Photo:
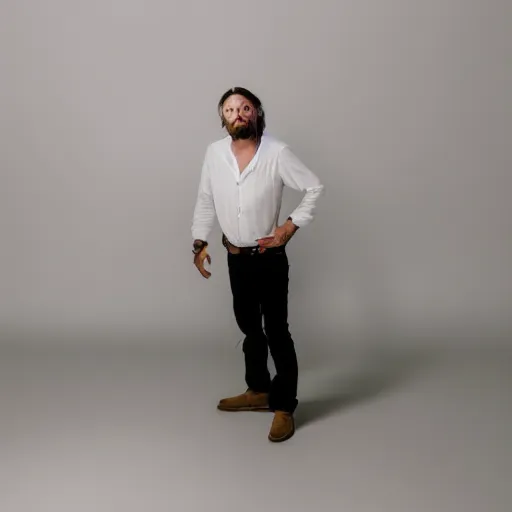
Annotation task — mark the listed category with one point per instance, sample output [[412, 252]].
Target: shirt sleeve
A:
[[299, 177], [204, 211]]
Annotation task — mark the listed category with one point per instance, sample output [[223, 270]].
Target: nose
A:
[[235, 114]]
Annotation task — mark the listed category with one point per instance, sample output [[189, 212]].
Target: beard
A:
[[243, 131]]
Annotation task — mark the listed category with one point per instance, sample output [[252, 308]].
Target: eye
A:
[[247, 108]]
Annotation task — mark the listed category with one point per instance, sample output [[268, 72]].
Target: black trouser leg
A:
[[274, 280], [246, 305], [260, 290]]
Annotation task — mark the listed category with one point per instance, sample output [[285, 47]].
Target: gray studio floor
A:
[[123, 431]]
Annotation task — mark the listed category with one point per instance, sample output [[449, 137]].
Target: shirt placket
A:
[[240, 179], [239, 205]]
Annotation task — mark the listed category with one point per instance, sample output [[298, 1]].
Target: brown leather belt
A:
[[233, 249]]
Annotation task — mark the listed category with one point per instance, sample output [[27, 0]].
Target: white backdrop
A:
[[402, 108]]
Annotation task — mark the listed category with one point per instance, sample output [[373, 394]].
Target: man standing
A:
[[241, 184]]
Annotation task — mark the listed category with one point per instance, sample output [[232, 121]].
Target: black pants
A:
[[259, 283]]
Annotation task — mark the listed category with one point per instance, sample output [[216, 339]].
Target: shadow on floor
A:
[[378, 373]]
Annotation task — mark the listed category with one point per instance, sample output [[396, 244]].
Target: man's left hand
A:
[[281, 236]]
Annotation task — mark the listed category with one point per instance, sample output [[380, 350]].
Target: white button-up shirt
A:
[[247, 204]]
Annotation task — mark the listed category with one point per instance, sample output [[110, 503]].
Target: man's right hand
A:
[[199, 262]]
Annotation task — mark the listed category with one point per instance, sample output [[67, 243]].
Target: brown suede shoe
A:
[[283, 427], [248, 401]]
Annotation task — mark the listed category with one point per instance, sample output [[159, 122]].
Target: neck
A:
[[241, 144]]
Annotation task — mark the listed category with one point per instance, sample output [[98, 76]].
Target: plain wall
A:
[[402, 108]]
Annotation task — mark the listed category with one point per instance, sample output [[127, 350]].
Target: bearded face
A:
[[240, 117]]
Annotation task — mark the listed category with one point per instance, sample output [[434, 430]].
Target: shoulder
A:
[[273, 142], [218, 146], [281, 151], [273, 145]]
